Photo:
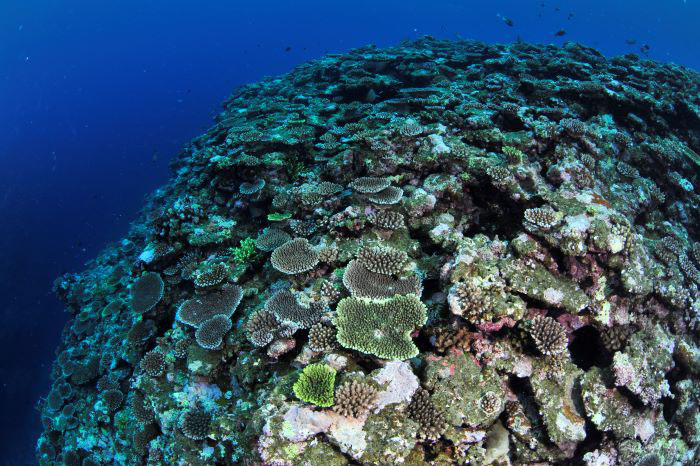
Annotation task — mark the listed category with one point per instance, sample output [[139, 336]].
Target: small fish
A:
[[571, 15], [560, 32], [508, 21], [645, 49], [288, 49], [630, 41]]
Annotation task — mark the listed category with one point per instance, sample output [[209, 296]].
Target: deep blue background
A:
[[95, 97]]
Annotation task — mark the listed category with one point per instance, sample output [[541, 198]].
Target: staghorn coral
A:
[[146, 292], [549, 336], [384, 260], [354, 398], [381, 328], [295, 256], [316, 384]]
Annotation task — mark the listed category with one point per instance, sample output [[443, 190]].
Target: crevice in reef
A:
[[587, 349]]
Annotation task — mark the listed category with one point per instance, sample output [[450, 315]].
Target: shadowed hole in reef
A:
[[497, 213], [587, 349], [670, 405]]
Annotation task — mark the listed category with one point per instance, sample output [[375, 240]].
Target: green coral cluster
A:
[[316, 385], [245, 252]]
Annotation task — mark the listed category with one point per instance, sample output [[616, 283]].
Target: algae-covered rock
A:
[[557, 397], [642, 367], [609, 409], [465, 392]]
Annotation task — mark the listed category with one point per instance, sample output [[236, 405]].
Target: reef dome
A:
[[430, 254]]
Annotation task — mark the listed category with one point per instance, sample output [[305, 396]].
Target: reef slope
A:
[[436, 253]]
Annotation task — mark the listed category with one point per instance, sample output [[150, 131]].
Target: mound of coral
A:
[[437, 253]]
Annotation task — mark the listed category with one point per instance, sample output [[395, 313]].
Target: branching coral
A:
[[381, 328], [112, 399], [544, 218], [354, 398], [549, 336], [322, 338], [387, 220], [421, 409], [262, 327], [316, 384], [245, 252]]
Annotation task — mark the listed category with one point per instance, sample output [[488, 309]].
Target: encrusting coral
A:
[[494, 249]]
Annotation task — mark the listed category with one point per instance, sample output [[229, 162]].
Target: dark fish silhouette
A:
[[560, 32], [571, 15], [288, 49], [508, 21], [630, 41], [645, 49]]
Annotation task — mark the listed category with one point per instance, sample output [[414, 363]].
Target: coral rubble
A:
[[436, 253]]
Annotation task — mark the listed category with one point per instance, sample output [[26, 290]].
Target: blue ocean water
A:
[[95, 97]]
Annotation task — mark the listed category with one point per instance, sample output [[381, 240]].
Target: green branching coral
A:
[[316, 385], [382, 328], [245, 252]]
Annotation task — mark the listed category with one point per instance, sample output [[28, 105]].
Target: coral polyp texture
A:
[[431, 254]]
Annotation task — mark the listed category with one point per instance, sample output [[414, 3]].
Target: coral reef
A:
[[431, 254]]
